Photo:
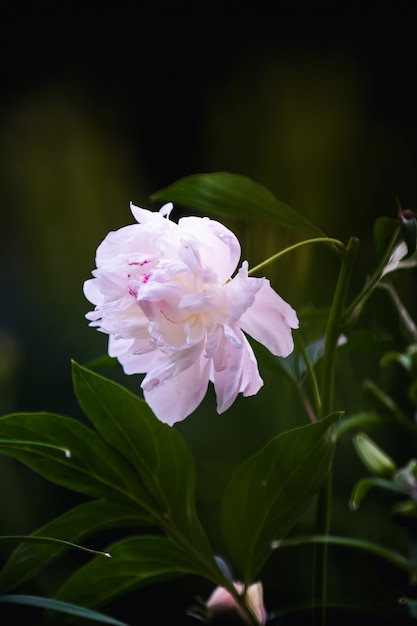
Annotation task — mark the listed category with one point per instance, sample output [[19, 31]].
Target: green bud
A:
[[373, 457]]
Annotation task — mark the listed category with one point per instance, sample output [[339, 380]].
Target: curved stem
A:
[[335, 242]]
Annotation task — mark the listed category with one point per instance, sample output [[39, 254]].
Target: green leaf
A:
[[103, 362], [395, 558], [384, 230], [74, 526], [233, 196], [61, 607], [412, 391], [382, 402], [156, 450], [25, 442], [43, 539], [269, 492], [358, 420], [92, 467], [135, 562], [362, 487]]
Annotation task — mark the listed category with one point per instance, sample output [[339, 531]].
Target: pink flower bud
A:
[[222, 602]]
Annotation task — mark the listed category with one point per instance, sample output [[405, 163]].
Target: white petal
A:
[[169, 366], [219, 248], [143, 215], [166, 209], [270, 320], [239, 375], [132, 363], [92, 291], [180, 396], [241, 292]]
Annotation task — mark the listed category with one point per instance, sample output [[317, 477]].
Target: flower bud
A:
[[221, 602], [375, 459]]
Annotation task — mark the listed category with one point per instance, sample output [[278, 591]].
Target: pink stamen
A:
[[140, 263]]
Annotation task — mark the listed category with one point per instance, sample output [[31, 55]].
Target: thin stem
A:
[[335, 242], [333, 328], [327, 389], [354, 309], [313, 377]]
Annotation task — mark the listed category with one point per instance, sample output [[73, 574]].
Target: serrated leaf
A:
[[92, 468], [268, 493], [135, 562], [156, 450], [233, 196], [61, 607], [75, 525]]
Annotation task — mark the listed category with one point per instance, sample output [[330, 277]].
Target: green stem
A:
[[335, 242], [333, 328], [327, 394], [314, 382], [353, 310]]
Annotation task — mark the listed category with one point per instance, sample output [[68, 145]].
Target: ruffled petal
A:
[[133, 363], [218, 247], [92, 291], [241, 292], [238, 375], [180, 396], [269, 320]]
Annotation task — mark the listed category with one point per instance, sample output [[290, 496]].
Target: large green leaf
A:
[[62, 607], [135, 562], [75, 525], [233, 196], [92, 467], [269, 492], [157, 451]]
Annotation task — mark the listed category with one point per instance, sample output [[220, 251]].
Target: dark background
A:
[[100, 106]]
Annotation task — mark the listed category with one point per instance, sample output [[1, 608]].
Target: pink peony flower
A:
[[163, 293], [222, 602]]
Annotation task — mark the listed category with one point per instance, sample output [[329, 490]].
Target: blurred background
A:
[[101, 107]]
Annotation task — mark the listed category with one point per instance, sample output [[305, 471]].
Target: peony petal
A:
[[92, 291], [218, 247], [241, 292], [132, 363], [251, 380], [180, 396], [144, 215], [270, 320], [240, 374]]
